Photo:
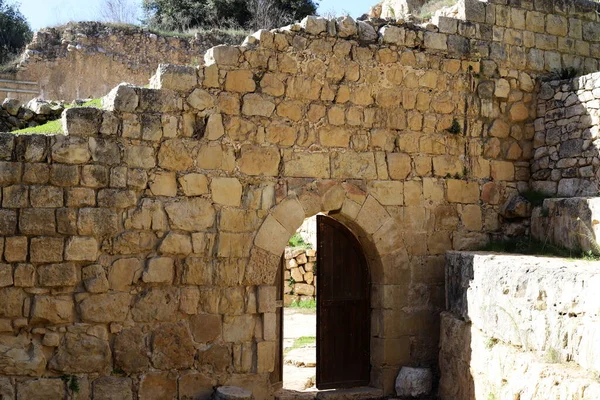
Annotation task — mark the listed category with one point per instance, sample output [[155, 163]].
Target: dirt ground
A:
[[299, 363]]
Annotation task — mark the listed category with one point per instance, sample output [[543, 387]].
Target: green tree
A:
[[180, 15], [14, 31]]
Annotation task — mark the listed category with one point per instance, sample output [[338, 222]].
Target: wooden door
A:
[[343, 308]]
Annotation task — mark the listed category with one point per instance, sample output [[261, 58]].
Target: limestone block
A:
[[226, 191], [131, 350], [259, 161], [8, 222], [351, 164], [122, 98], [43, 389], [176, 243], [175, 77], [52, 310], [81, 121], [97, 222], [158, 385], [81, 248], [314, 25], [163, 183], [205, 328], [159, 101], [414, 382], [123, 273], [139, 156], [193, 214], [107, 307], [399, 165], [112, 387], [290, 214], [94, 176], [175, 155], [387, 192], [372, 215], [194, 184], [196, 386], [197, 271], [53, 275], [460, 191], [366, 32], [241, 81], [24, 275], [94, 279], [156, 304], [518, 112], [346, 27], [502, 170], [238, 328], [64, 175], [222, 55], [133, 242], [435, 41], [272, 236], [392, 35], [256, 104], [46, 196], [16, 249], [303, 88], [16, 196], [6, 275], [167, 356], [159, 270], [46, 249]]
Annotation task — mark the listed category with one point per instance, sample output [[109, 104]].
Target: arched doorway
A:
[[343, 308]]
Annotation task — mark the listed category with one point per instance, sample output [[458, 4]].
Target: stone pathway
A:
[[298, 364]]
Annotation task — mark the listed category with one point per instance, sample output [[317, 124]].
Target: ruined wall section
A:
[[87, 59], [519, 327], [567, 140]]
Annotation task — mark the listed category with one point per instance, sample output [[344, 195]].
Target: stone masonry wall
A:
[[567, 140], [520, 327], [300, 275], [141, 248], [87, 59]]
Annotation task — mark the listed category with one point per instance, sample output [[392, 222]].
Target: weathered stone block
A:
[[81, 121], [131, 350], [112, 387], [167, 356], [154, 304], [94, 279], [16, 249], [42, 389], [193, 214], [238, 328], [205, 327], [105, 308], [460, 191], [158, 386], [54, 275], [159, 270], [80, 248], [226, 191], [52, 310], [46, 249]]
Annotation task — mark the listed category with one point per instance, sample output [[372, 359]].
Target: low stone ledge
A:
[[541, 304]]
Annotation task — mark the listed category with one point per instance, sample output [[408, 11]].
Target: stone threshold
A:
[[359, 393]]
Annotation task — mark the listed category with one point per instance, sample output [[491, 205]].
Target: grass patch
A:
[[427, 10], [302, 341], [51, 127], [298, 241], [530, 246], [310, 304], [55, 127]]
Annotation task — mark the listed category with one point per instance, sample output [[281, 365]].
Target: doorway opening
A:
[[325, 289]]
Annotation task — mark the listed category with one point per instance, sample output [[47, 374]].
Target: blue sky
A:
[[42, 13]]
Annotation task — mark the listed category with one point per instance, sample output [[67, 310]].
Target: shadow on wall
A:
[[456, 381], [567, 140]]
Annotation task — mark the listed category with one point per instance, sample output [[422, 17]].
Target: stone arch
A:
[[381, 238]]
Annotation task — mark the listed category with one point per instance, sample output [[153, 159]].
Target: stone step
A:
[[232, 393], [360, 393]]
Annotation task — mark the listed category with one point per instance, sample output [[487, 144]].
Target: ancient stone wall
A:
[[141, 248], [519, 327], [566, 161], [300, 275], [87, 59]]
